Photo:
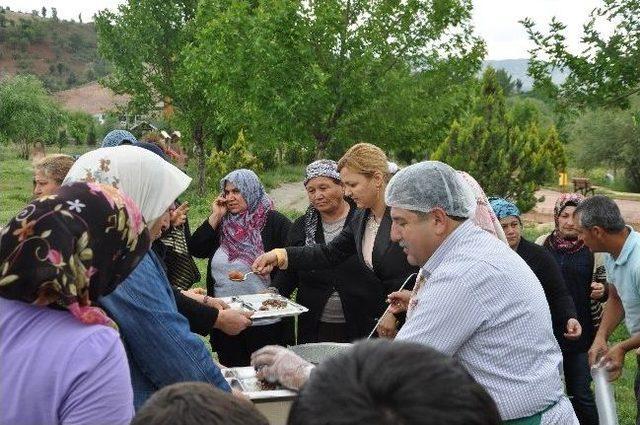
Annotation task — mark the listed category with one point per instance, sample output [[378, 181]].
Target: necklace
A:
[[372, 224]]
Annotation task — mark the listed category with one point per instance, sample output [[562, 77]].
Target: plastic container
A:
[[605, 401]]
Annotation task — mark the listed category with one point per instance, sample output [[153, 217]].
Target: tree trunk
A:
[[24, 151], [322, 142], [198, 139]]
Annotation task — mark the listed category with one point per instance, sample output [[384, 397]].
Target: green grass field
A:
[[15, 192]]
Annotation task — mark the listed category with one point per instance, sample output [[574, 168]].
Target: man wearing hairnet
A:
[[475, 299]]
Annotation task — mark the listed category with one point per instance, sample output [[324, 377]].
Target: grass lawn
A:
[[15, 192]]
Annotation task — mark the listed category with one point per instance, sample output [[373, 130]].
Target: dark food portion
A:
[[273, 304]]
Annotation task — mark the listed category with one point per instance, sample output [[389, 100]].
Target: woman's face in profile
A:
[[43, 185]]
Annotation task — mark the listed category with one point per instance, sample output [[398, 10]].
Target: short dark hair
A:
[[392, 383], [196, 403], [600, 211]]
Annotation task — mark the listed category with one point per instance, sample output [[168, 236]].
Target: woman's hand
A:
[[597, 290], [179, 215], [387, 327], [232, 322], [265, 263], [218, 210]]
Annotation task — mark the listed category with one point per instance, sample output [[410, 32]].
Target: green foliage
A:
[[78, 125], [326, 74], [27, 113], [609, 137], [62, 139], [605, 73], [508, 156], [237, 156]]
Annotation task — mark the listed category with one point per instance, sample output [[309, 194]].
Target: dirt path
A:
[[292, 196]]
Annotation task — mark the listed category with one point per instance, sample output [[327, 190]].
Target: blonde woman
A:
[[364, 171]]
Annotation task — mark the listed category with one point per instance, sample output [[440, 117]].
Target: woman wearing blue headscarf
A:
[[242, 225], [117, 138], [544, 266]]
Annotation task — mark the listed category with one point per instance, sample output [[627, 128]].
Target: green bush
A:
[[237, 156]]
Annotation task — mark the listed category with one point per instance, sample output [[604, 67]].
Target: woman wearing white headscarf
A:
[[160, 347]]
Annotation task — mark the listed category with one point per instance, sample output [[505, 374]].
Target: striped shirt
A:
[[483, 305]]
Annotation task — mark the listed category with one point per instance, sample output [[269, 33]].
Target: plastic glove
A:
[[277, 364]]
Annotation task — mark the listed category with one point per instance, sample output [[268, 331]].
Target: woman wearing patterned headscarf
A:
[[242, 225], [57, 257], [563, 311], [160, 346], [342, 301], [585, 277]]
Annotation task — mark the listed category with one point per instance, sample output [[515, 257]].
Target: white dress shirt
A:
[[482, 305]]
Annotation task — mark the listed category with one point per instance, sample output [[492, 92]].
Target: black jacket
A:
[[577, 270], [546, 269], [360, 291], [206, 240], [390, 266]]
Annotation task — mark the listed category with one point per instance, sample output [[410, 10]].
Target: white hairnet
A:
[[430, 184]]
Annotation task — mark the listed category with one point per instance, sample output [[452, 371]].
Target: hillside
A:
[[517, 68], [62, 53]]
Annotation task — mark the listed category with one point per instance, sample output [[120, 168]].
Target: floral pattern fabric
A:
[[72, 247], [241, 233]]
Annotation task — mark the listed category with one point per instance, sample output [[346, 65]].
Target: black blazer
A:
[[390, 266], [360, 291], [206, 240]]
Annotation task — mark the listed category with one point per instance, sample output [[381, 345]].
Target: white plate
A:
[[254, 302]]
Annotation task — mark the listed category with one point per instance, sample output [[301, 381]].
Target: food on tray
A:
[[266, 386], [273, 304], [236, 275]]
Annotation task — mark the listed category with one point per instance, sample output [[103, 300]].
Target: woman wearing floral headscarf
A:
[[57, 257], [585, 277], [242, 225], [342, 301], [160, 346]]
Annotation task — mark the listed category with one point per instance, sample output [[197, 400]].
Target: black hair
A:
[[392, 383], [197, 403], [600, 211]]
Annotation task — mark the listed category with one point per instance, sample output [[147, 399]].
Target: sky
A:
[[496, 21]]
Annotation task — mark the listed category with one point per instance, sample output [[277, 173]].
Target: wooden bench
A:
[[582, 185]]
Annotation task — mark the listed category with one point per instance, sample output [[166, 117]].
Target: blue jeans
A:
[[577, 377]]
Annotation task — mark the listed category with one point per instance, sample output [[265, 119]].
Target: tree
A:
[[54, 13], [78, 125], [603, 76], [506, 82], [325, 72], [509, 156], [80, 17], [143, 41], [27, 113], [91, 134], [62, 139], [44, 12], [605, 73]]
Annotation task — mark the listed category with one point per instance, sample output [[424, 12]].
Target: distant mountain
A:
[[63, 54], [517, 68]]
